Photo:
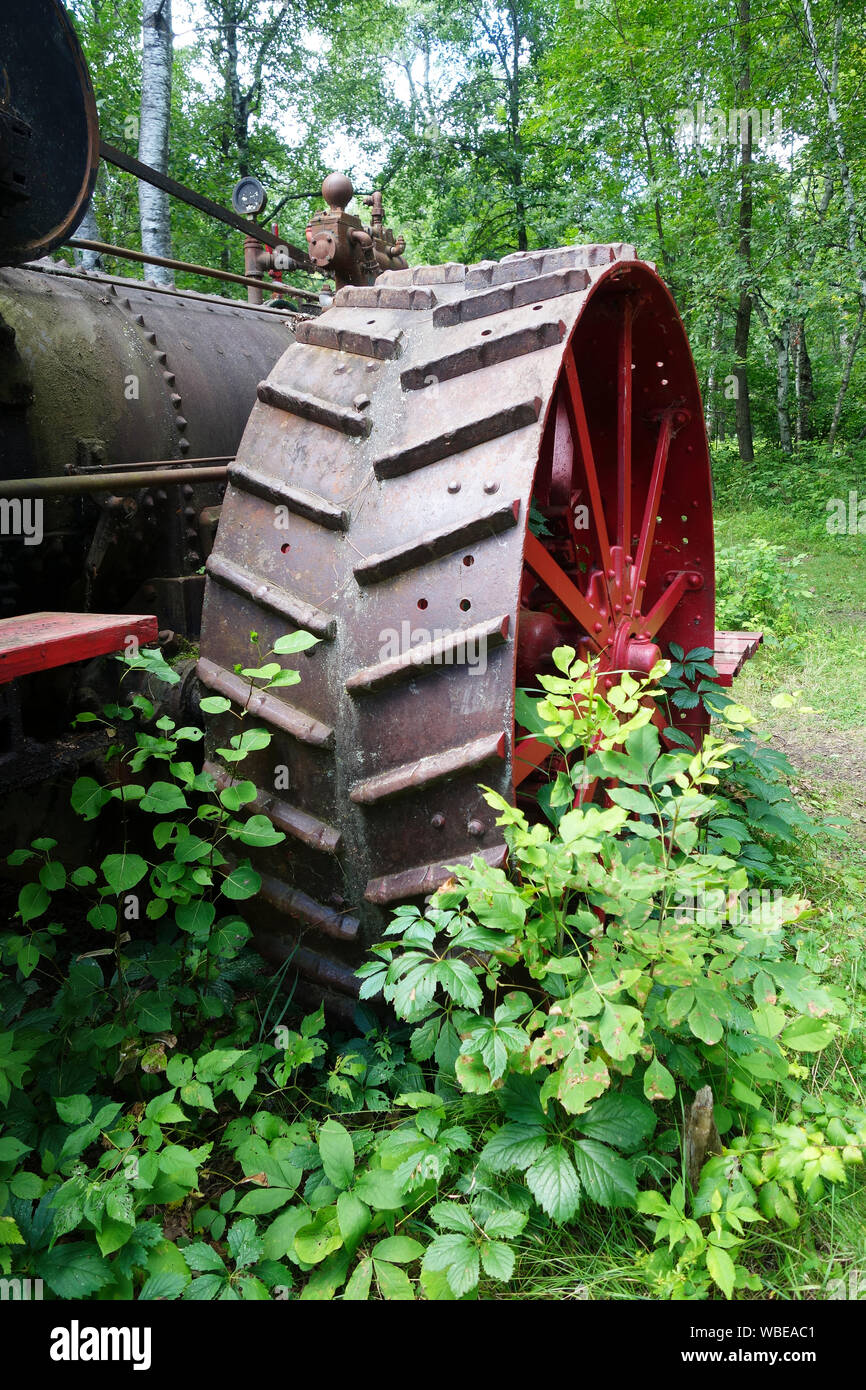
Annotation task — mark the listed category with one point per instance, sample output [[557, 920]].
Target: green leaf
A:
[[195, 917], [394, 1284], [279, 1238], [315, 1241], [554, 1184], [658, 1084], [358, 1288], [703, 1019], [622, 1121], [621, 1030], [721, 1269], [244, 1243], [162, 1286], [337, 1153], [808, 1034], [33, 899], [215, 704], [27, 1186], [163, 798], [497, 1260], [607, 1178], [9, 1232], [399, 1250], [353, 1218], [73, 1270], [52, 876], [513, 1146], [88, 797], [215, 1064], [380, 1190], [457, 1256], [238, 795], [294, 642], [103, 917], [633, 801], [73, 1110], [259, 832], [123, 871], [451, 1216], [242, 882]]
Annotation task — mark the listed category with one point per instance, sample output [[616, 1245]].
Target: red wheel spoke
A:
[[661, 611], [550, 573], [562, 468], [623, 470], [648, 528], [529, 754], [580, 431]]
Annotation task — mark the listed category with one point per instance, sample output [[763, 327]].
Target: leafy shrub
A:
[[165, 1134], [758, 589]]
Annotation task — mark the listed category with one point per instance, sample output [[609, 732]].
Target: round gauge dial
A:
[[248, 197]]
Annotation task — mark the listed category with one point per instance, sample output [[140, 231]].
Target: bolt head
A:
[[454, 486]]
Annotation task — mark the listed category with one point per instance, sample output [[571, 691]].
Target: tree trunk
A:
[[804, 388], [744, 247], [87, 230], [153, 204], [846, 378], [712, 413], [782, 346]]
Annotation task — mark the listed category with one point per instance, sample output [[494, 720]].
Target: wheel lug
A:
[[454, 486]]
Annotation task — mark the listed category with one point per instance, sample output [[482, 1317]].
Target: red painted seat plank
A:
[[732, 651], [39, 641]]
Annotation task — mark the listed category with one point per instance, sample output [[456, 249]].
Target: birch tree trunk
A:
[[154, 205], [781, 341], [744, 247], [87, 230]]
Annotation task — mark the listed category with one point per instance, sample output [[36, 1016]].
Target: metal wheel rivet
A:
[[596, 627], [183, 445], [437, 821], [454, 486], [491, 487], [361, 402], [475, 827]]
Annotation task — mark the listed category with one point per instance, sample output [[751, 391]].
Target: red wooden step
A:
[[732, 651], [38, 641]]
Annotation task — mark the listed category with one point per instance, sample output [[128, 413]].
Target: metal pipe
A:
[[125, 253], [120, 284], [111, 482], [196, 463]]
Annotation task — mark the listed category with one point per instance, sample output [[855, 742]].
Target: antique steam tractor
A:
[[478, 463]]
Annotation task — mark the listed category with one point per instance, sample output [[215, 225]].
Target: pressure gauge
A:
[[249, 197]]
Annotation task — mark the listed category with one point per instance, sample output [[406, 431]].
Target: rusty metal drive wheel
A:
[[474, 463]]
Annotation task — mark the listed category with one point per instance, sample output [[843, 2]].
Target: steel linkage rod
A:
[[127, 254], [125, 161], [112, 482]]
